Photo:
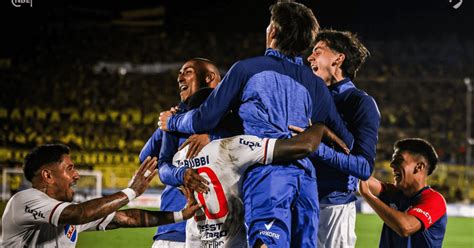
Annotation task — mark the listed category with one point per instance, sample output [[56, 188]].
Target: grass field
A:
[[459, 234]]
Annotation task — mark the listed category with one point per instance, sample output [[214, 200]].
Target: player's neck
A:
[[335, 78], [41, 187], [414, 188]]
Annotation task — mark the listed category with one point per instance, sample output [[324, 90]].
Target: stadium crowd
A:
[[62, 91]]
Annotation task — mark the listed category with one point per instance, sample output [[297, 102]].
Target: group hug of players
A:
[[271, 155]]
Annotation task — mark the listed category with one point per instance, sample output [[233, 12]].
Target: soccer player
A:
[[336, 58], [270, 93], [414, 214], [193, 75], [44, 215]]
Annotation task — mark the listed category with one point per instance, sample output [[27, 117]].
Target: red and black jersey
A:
[[427, 205]]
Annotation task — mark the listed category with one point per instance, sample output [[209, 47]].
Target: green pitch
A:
[[459, 234]]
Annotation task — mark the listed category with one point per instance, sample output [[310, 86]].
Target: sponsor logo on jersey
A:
[[211, 244], [270, 234], [193, 163], [269, 225], [71, 232], [34, 212], [426, 214], [251, 144], [267, 232], [212, 231]]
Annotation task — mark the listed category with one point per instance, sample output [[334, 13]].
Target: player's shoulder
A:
[[28, 194], [362, 98], [238, 141], [433, 196], [26, 197]]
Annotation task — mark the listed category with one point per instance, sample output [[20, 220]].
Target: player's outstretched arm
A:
[[144, 218], [299, 146], [98, 208]]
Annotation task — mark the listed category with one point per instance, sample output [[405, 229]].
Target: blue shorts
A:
[[281, 206]]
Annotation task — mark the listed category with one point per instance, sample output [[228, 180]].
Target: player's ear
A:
[[339, 59], [47, 175], [210, 76], [420, 166], [272, 31]]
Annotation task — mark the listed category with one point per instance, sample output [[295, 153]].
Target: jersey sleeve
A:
[[97, 225], [354, 165], [170, 174], [37, 207], [248, 150], [152, 147], [429, 209]]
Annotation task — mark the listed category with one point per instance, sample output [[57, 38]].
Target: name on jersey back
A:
[[194, 162]]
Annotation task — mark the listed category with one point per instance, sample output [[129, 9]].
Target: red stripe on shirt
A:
[[52, 212], [265, 152]]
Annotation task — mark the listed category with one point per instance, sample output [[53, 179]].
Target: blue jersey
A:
[[428, 206], [268, 93], [152, 147], [339, 173]]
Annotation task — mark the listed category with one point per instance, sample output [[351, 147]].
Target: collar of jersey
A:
[[183, 107], [341, 86], [275, 53]]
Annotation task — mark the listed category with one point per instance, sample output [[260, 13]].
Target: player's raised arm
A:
[[98, 208]]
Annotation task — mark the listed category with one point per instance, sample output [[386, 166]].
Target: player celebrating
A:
[[270, 93], [336, 58], [414, 215], [44, 215], [193, 75]]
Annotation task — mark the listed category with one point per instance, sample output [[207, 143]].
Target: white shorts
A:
[[167, 244], [337, 226]]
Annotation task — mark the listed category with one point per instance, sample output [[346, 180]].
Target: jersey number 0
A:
[[221, 199]]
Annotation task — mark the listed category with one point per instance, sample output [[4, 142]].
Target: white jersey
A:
[[222, 163], [31, 220]]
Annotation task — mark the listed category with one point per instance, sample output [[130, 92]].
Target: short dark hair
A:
[[296, 27], [201, 70], [43, 155], [199, 97], [349, 44], [417, 146]]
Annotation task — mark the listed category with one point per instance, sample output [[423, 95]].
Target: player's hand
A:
[[174, 110], [196, 142], [163, 120], [195, 182], [364, 188], [144, 175], [191, 204], [332, 137]]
